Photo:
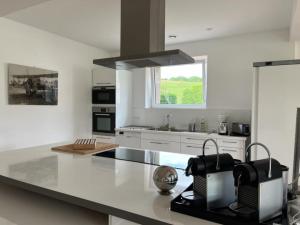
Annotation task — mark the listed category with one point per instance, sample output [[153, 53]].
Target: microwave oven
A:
[[104, 95]]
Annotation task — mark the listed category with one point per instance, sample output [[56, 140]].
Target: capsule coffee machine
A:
[[259, 188], [213, 185]]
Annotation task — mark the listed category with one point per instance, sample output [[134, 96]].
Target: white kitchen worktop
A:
[[182, 133], [120, 188]]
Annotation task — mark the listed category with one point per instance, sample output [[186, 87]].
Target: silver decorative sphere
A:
[[165, 178]]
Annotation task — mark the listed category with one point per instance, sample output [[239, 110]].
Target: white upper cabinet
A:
[[104, 77]]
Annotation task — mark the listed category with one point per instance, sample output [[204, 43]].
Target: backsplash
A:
[[180, 118]]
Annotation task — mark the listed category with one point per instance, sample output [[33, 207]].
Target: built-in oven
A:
[[104, 95], [104, 120]]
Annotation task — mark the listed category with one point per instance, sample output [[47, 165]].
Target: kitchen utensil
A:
[[240, 129], [223, 128]]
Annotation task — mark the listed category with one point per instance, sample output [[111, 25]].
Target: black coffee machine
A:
[[213, 185], [259, 188], [255, 191]]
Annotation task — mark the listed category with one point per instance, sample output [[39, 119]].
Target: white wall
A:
[[229, 77], [123, 98], [22, 126]]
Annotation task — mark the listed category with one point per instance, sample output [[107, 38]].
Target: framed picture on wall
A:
[[32, 86]]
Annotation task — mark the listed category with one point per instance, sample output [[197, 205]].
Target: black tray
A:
[[221, 215]]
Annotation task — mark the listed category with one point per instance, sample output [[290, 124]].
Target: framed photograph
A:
[[32, 86]]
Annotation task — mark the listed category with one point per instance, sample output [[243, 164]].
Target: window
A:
[[181, 86]]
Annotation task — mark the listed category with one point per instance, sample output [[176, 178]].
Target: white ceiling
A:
[[97, 22], [9, 6]]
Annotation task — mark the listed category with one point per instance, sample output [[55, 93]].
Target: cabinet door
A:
[[158, 145], [104, 77], [129, 139], [278, 97]]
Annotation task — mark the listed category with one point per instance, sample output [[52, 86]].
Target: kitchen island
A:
[[108, 188]]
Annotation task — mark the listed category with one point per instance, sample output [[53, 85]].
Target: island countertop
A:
[[115, 187]]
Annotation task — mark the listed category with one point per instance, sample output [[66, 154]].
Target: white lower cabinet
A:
[[182, 143], [161, 145], [118, 221], [105, 139], [129, 139]]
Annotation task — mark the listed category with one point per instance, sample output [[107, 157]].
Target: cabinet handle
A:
[[195, 139], [229, 150], [102, 83], [230, 142], [190, 146], [158, 143]]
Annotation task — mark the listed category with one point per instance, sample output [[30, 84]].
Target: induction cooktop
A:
[[178, 161]]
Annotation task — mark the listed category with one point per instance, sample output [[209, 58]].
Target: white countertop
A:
[[108, 183], [183, 133]]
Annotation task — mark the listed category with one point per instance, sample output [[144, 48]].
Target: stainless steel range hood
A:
[[143, 38]]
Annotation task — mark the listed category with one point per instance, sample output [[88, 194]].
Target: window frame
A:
[[201, 60]]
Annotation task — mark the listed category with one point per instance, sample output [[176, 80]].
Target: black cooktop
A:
[[176, 160]]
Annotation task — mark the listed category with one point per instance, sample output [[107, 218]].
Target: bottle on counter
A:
[[203, 125], [192, 127]]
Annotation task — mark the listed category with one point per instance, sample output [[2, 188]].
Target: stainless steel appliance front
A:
[[104, 95], [104, 120]]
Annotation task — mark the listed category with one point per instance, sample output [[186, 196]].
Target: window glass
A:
[[180, 85]]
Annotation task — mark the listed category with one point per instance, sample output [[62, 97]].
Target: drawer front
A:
[[195, 140], [161, 137], [105, 139], [128, 141], [129, 134], [234, 152], [230, 143], [193, 149], [158, 145]]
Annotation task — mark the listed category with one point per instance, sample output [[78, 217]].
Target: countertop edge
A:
[[214, 135], [82, 202]]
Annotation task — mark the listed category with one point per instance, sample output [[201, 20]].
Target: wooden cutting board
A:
[[100, 147]]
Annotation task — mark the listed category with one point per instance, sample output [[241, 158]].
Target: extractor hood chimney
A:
[[143, 38]]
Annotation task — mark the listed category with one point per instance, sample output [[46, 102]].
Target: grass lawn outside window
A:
[[180, 86]]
